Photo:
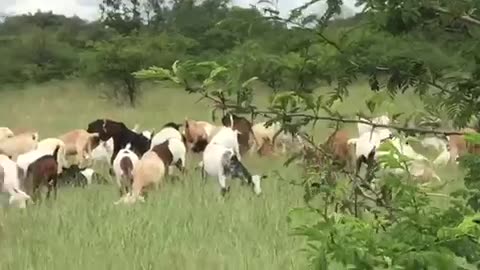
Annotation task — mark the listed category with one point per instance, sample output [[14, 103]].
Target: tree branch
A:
[[356, 121], [465, 18]]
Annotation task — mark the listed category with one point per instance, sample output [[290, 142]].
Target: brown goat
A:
[[459, 146], [43, 171], [80, 143], [337, 145], [267, 148]]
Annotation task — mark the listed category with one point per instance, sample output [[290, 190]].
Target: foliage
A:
[[115, 60], [381, 220], [218, 52]]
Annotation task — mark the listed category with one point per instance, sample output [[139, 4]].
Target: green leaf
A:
[[249, 81], [175, 67], [462, 263], [213, 74], [371, 105], [473, 138]]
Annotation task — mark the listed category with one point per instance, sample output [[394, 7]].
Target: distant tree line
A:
[[132, 35]]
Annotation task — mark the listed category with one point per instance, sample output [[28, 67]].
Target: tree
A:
[[114, 61], [125, 16], [374, 221]]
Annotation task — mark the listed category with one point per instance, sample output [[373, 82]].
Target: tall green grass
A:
[[185, 225]]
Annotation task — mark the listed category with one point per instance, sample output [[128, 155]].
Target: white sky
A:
[[88, 9]]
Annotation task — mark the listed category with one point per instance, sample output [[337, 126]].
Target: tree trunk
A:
[[131, 91]]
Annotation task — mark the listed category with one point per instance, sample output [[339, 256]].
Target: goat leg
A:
[[223, 186], [238, 170], [49, 189]]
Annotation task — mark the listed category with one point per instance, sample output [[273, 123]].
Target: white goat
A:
[[228, 138], [221, 162], [381, 120], [368, 142], [440, 145], [262, 133], [10, 178], [418, 165], [103, 151], [437, 143], [123, 166]]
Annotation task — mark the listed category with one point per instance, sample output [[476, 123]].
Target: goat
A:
[[198, 134], [103, 151], [121, 135], [49, 145], [169, 130], [10, 182], [244, 128], [43, 171], [221, 162], [80, 143], [123, 166], [19, 144]]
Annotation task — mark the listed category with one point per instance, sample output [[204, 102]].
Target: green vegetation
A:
[[420, 59]]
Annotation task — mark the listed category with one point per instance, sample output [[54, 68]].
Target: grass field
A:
[[184, 226]]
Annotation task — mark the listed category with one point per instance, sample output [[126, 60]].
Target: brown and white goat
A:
[[43, 171], [150, 170], [198, 134]]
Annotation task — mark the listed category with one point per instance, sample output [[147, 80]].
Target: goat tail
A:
[[55, 152], [126, 165], [231, 120]]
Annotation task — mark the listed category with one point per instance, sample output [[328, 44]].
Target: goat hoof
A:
[[225, 191]]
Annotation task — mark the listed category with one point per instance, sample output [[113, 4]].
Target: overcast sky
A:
[[88, 9]]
